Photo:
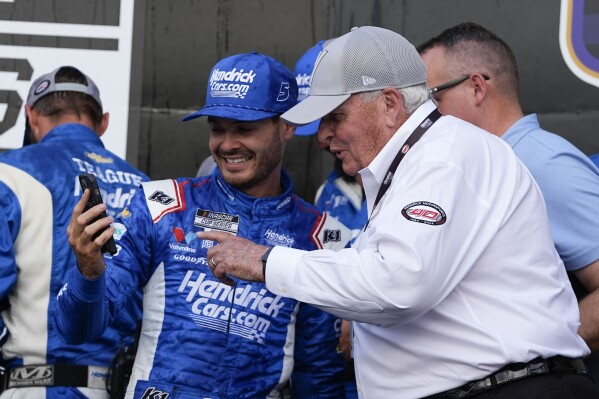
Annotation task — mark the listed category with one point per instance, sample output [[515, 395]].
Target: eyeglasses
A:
[[453, 83]]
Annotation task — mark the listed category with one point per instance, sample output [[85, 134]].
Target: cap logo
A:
[[283, 92], [367, 80], [41, 87], [225, 83], [303, 85]]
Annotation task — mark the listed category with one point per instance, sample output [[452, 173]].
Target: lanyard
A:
[[409, 143]]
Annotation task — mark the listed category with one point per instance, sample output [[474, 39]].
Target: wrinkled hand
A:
[[88, 249], [234, 256]]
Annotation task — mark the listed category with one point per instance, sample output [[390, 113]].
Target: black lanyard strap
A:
[[409, 143]]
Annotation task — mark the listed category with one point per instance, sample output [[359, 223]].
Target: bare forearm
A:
[[589, 320]]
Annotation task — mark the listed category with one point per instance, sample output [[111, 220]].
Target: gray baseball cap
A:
[[46, 84], [367, 58]]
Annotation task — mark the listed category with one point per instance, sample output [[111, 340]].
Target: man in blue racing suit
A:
[[201, 338], [39, 187]]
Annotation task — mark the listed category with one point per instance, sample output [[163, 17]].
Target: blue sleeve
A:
[[319, 366], [87, 307], [10, 222], [570, 186]]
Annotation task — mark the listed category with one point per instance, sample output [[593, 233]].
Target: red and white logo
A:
[[424, 212]]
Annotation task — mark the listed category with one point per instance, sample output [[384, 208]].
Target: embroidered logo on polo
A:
[[160, 197], [424, 212], [210, 220], [211, 306], [234, 83]]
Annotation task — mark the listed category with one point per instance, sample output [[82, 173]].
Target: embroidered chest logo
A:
[[424, 212]]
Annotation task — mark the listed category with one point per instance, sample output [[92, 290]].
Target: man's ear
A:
[[394, 107], [103, 125], [31, 118], [289, 131], [481, 88]]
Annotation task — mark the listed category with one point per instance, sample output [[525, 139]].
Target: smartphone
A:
[[89, 181]]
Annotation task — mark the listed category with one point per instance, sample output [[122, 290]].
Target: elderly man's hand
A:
[[234, 256]]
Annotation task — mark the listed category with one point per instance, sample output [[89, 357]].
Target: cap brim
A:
[[312, 108], [309, 129], [235, 113]]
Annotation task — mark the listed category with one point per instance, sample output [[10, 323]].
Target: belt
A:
[[64, 375], [514, 372]]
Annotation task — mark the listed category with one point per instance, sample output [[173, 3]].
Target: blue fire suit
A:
[[201, 338], [38, 190]]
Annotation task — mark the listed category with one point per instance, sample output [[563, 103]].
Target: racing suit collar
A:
[[257, 207], [73, 132]]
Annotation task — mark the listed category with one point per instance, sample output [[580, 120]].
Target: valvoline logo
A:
[[180, 235]]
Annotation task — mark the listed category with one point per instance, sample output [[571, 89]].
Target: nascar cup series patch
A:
[[424, 212], [219, 221]]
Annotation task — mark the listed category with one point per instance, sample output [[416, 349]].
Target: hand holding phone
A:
[[89, 181]]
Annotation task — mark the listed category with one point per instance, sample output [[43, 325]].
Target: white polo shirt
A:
[[456, 275]]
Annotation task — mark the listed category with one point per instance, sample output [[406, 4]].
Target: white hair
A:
[[413, 96]]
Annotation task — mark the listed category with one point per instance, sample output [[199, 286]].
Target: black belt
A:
[[515, 372], [64, 375]]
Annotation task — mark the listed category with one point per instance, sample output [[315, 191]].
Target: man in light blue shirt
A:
[[473, 75]]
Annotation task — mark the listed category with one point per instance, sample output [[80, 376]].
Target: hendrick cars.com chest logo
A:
[[424, 212]]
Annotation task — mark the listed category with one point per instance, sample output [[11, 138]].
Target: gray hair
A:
[[413, 96]]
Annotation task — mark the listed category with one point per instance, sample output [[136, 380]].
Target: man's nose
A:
[[324, 134]]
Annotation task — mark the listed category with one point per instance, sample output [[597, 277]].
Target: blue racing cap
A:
[[303, 73], [248, 87]]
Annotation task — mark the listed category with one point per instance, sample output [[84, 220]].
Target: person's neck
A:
[[271, 187], [502, 115]]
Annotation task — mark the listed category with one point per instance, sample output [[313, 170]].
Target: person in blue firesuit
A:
[[201, 338], [39, 188]]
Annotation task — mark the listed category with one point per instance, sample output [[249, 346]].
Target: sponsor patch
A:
[[424, 212], [180, 235], [274, 238], [331, 236], [119, 230], [125, 213], [234, 83], [211, 305], [31, 376], [154, 393], [182, 240], [41, 87], [210, 220], [161, 198]]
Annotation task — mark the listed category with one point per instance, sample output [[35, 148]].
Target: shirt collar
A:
[[374, 174], [264, 207]]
